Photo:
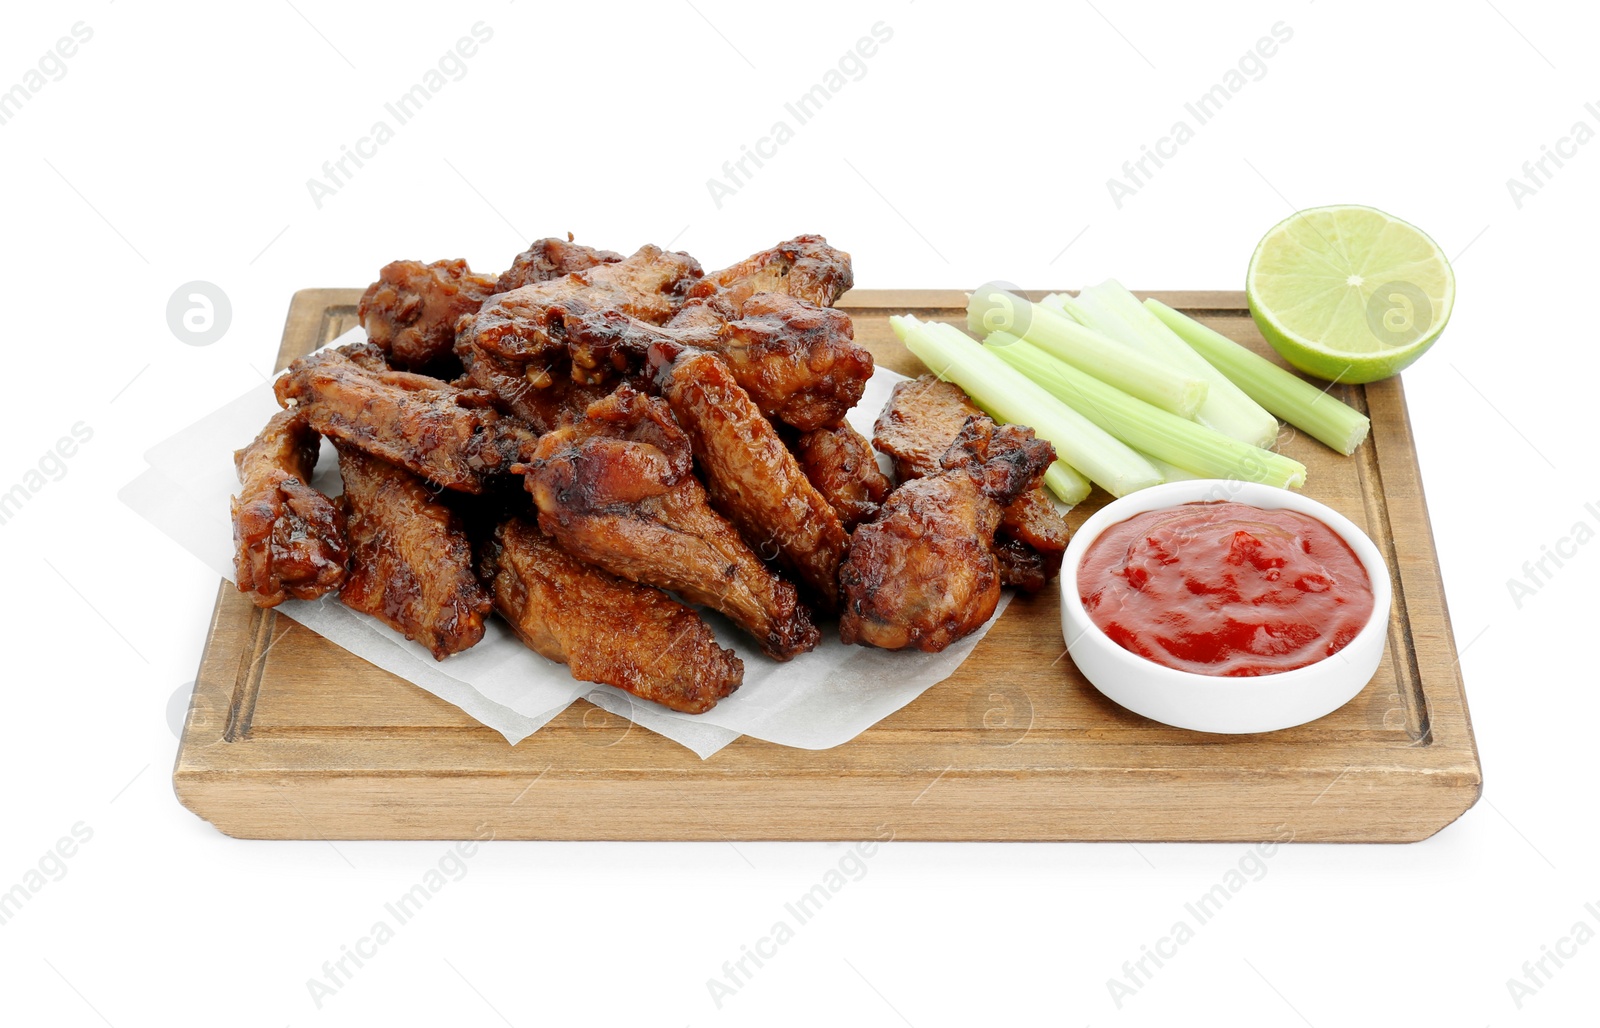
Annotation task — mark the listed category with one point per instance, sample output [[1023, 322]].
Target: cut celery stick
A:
[[1070, 487], [1170, 472], [1282, 392], [1008, 396], [1115, 312], [1113, 363], [1164, 435]]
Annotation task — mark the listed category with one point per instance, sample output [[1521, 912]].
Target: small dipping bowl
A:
[[1215, 703]]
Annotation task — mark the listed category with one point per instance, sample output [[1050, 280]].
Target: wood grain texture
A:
[[290, 736]]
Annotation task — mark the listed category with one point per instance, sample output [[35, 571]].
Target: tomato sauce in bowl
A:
[[1225, 589]]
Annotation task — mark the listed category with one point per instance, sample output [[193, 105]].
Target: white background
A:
[[177, 147]]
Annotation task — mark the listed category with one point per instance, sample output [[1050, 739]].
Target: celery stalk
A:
[[1115, 312], [1169, 472], [1113, 363], [1162, 434], [1008, 396], [1070, 487], [1280, 391]]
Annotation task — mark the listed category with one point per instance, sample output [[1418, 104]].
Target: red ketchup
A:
[[1226, 588]]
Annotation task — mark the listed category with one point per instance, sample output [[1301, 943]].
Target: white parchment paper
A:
[[818, 700]]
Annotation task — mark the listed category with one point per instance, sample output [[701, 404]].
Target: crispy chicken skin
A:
[[529, 324], [410, 561], [924, 574], [804, 267], [752, 478], [411, 311], [615, 489], [447, 435], [918, 424], [288, 538], [839, 461], [606, 629]]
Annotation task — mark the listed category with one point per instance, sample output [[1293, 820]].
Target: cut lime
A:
[[1349, 293]]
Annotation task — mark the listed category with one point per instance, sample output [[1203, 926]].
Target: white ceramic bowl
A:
[[1213, 703]]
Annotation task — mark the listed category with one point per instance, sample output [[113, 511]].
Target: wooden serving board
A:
[[289, 736]]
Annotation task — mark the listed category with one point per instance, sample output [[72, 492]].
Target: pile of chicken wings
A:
[[593, 445]]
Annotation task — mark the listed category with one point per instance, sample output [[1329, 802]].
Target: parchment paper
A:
[[816, 701]]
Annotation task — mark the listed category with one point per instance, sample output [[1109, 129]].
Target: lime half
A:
[[1349, 293]]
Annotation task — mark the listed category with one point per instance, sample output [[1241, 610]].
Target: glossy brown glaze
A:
[[924, 573], [921, 419], [841, 464], [804, 267], [447, 435], [615, 489], [288, 538], [605, 628], [410, 561], [752, 478], [411, 311]]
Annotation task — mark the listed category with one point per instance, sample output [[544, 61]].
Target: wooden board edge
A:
[[1363, 807]]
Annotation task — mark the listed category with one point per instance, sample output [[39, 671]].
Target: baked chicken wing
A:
[[924, 573], [411, 311], [528, 325], [410, 561], [606, 629], [917, 426], [752, 478], [288, 538], [804, 267], [615, 489], [841, 464], [447, 435], [551, 258]]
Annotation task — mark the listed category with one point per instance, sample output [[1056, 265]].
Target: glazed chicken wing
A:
[[800, 362], [288, 538], [924, 573], [615, 489], [752, 478], [410, 561], [804, 267], [918, 424], [447, 435], [606, 629], [840, 463], [411, 311], [552, 258], [528, 325]]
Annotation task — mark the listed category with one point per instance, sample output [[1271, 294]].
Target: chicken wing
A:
[[606, 629], [410, 561], [542, 397], [529, 324], [288, 538], [840, 463], [447, 435], [752, 478], [924, 573], [805, 267], [615, 489], [918, 424], [411, 311], [551, 258], [800, 362]]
